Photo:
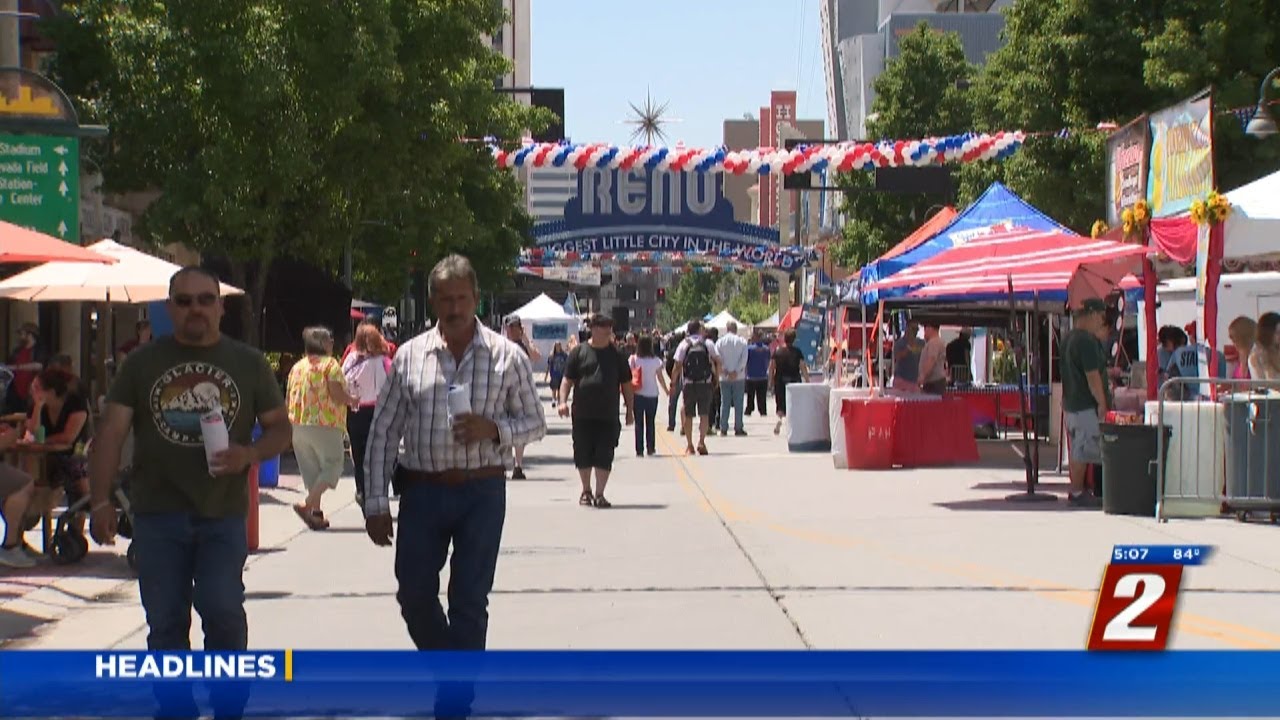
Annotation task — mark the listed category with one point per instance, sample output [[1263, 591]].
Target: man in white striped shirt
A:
[[451, 470]]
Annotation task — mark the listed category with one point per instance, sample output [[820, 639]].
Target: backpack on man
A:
[[697, 366]]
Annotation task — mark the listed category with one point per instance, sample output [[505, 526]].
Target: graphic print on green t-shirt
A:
[[184, 393], [169, 386]]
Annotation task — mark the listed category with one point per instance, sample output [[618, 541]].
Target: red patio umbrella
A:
[[18, 245]]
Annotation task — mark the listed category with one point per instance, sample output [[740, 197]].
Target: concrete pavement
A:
[[750, 547]]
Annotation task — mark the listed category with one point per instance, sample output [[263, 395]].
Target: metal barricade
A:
[[1221, 454]]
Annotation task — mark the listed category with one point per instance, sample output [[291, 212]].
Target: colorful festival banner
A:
[[809, 333], [1181, 166], [1126, 168]]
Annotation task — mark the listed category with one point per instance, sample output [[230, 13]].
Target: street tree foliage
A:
[[745, 293], [1079, 63], [288, 128], [695, 295], [1070, 64], [691, 297], [919, 94]]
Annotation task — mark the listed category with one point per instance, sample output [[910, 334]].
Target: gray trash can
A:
[[1253, 449], [1129, 466]]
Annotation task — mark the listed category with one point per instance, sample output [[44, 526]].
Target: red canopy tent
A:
[[924, 233], [1033, 259]]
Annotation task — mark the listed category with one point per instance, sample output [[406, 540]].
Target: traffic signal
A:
[[662, 295], [649, 311]]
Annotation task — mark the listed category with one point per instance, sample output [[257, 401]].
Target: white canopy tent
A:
[[722, 320], [546, 323], [770, 323], [1254, 222], [543, 308]]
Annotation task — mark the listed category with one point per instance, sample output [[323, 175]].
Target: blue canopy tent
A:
[[997, 206]]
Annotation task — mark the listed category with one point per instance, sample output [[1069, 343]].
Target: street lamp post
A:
[[1263, 125]]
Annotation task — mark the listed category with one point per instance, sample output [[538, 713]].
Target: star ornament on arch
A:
[[649, 121]]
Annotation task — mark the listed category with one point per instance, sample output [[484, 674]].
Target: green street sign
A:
[[40, 184]]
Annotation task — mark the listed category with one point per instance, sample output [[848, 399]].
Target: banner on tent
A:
[[638, 210], [579, 275], [1181, 166], [1126, 168], [550, 331]]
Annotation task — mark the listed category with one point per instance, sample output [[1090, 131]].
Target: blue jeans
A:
[[186, 561], [732, 395], [469, 515], [646, 418]]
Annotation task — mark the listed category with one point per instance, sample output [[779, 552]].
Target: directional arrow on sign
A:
[[62, 188], [61, 149], [62, 228], [62, 168]]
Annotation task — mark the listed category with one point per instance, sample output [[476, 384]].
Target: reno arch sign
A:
[[640, 210]]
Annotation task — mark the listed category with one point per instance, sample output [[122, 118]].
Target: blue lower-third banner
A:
[[638, 684]]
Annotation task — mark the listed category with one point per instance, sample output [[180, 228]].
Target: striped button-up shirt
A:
[[413, 408]]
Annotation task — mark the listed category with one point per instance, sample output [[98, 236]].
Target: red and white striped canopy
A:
[[1033, 259]]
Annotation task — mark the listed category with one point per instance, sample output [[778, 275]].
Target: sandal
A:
[[702, 449], [314, 519], [602, 503], [586, 499]]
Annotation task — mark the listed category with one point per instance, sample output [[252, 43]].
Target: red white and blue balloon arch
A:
[[839, 157]]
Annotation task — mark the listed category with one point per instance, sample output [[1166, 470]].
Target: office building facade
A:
[[860, 37]]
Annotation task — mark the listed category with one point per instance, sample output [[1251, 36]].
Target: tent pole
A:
[[867, 337], [1030, 463], [880, 381], [1035, 364]]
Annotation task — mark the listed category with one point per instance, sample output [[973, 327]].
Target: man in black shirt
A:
[[958, 354], [597, 376]]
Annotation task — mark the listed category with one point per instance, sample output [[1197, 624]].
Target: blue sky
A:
[[711, 59]]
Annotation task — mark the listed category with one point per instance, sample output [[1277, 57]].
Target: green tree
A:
[[290, 128], [691, 298], [920, 93], [745, 293], [1078, 63]]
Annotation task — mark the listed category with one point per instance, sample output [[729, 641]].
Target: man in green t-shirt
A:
[[189, 530], [1085, 396]]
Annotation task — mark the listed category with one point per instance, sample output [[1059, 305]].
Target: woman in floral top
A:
[[317, 400]]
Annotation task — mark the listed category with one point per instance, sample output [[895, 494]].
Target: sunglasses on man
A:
[[186, 301]]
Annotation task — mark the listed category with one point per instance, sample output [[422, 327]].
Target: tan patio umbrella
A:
[[130, 278]]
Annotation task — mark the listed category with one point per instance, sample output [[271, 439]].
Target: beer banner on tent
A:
[[1181, 165], [621, 212], [579, 275], [1126, 168]]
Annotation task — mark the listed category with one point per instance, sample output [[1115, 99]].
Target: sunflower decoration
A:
[[1099, 229], [1213, 210], [1142, 213]]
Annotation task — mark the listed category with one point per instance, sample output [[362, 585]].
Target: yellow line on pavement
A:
[[691, 478]]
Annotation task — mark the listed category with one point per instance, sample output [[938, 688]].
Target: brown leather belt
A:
[[450, 477]]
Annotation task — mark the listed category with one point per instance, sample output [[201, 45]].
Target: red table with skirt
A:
[[886, 432]]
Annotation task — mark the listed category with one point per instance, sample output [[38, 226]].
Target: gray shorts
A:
[[1085, 436], [11, 480]]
